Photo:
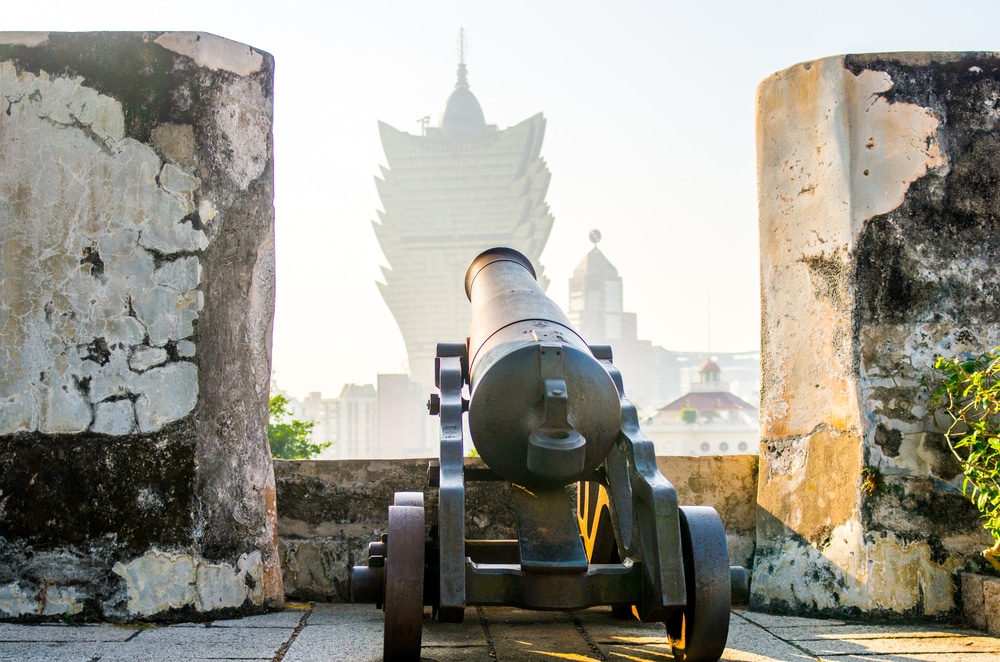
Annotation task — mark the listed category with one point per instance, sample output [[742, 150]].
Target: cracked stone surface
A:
[[105, 270], [878, 207], [136, 299]]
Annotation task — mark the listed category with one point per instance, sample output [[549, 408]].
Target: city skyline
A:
[[650, 111]]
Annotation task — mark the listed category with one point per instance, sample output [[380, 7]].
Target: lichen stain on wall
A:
[[50, 601], [799, 401], [824, 500], [213, 52], [839, 151], [97, 327], [875, 574], [894, 145], [833, 152], [895, 361], [243, 122], [831, 144], [159, 581]]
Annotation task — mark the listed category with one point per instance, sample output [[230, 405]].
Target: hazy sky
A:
[[650, 138]]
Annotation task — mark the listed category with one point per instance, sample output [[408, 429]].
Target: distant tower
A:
[[595, 301], [596, 311], [448, 194]]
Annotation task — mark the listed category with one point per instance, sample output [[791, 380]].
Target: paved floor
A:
[[311, 633]]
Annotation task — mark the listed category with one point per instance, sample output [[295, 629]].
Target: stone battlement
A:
[[329, 510]]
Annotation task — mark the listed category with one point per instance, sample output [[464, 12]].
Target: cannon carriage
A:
[[547, 413]]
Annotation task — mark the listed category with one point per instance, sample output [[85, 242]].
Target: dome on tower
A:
[[709, 367], [462, 116]]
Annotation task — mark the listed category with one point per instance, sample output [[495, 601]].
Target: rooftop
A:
[[709, 400]]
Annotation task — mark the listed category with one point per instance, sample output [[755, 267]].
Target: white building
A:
[[709, 420], [405, 429], [355, 420]]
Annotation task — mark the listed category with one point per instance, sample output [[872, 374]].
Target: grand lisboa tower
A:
[[447, 195]]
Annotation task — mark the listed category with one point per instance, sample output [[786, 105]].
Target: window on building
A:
[[613, 296], [613, 327]]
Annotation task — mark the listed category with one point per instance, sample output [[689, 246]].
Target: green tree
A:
[[968, 387], [290, 441]]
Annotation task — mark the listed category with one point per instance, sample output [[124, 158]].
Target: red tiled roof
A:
[[701, 401], [709, 366]]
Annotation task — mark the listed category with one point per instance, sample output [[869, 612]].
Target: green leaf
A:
[[968, 390], [290, 441]]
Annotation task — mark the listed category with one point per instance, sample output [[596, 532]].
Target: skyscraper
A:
[[448, 194], [596, 312]]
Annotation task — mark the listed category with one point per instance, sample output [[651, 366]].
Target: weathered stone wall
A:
[[135, 318], [328, 511], [879, 201], [727, 483]]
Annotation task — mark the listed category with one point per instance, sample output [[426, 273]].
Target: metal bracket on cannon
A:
[[626, 544]]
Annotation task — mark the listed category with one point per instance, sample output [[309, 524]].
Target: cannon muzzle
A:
[[543, 411]]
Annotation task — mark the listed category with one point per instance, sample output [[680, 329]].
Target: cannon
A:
[[548, 414]]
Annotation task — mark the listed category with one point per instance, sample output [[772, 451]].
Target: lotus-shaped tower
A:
[[447, 195]]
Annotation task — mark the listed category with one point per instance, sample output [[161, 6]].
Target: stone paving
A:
[[333, 632]]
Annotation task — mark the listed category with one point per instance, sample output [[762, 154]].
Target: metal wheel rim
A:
[[698, 632], [404, 583]]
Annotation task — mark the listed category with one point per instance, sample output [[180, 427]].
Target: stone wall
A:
[[135, 319], [727, 483], [328, 511], [877, 178]]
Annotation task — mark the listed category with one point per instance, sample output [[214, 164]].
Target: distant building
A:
[[323, 414], [295, 407], [682, 372], [595, 311], [350, 420], [708, 420], [449, 194], [355, 420], [403, 421], [364, 422], [652, 376]]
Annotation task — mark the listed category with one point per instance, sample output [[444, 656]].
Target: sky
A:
[[649, 139]]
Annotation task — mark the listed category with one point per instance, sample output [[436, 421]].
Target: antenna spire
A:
[[709, 316], [463, 79]]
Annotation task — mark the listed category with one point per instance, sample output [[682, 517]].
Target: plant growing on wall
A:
[[969, 390], [290, 441]]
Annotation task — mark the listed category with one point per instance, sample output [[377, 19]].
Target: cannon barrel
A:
[[543, 411]]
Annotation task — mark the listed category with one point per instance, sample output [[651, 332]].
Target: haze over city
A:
[[649, 138]]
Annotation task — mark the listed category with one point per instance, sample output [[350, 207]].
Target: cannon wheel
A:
[[698, 632], [404, 578]]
